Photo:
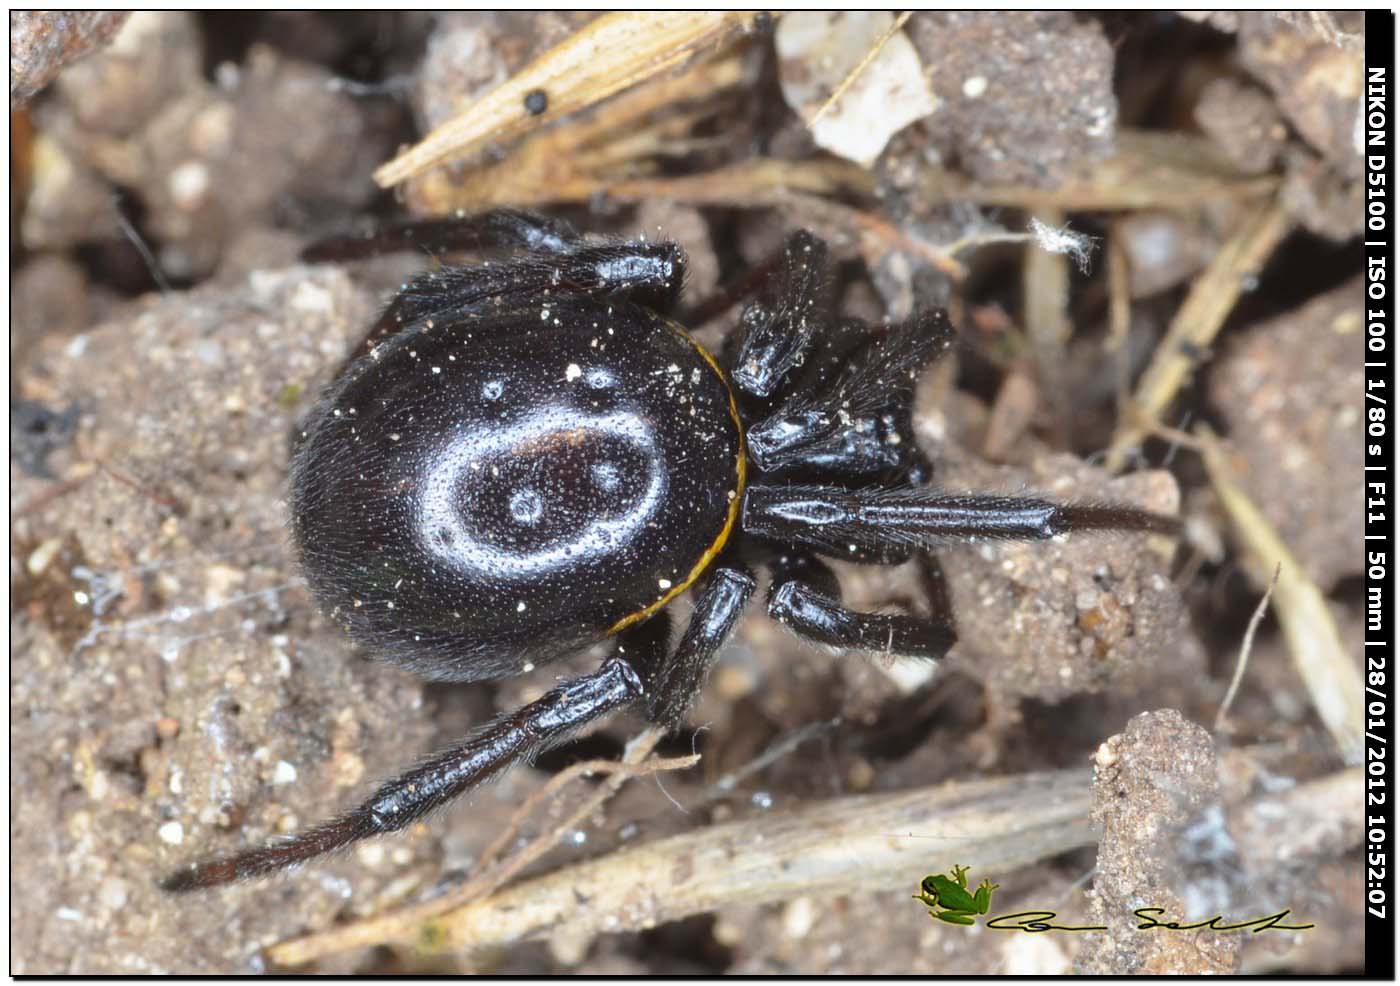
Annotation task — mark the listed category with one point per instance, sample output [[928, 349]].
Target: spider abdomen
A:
[[490, 492]]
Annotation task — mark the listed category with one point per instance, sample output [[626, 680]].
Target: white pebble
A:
[[171, 832]]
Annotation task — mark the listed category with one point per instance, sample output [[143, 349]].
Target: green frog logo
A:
[[948, 898]]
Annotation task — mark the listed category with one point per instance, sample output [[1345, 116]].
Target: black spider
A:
[[530, 456]]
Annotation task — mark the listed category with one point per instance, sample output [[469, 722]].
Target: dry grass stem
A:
[[1200, 317], [1045, 283], [1148, 171], [755, 183], [613, 53], [1246, 645], [1120, 319], [582, 156], [870, 843], [1331, 677], [854, 74]]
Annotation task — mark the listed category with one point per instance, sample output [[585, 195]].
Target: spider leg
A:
[[498, 228], [560, 262], [841, 522], [650, 274], [677, 680], [445, 776], [805, 597], [858, 424], [776, 339]]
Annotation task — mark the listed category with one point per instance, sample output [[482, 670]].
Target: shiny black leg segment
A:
[[679, 679], [940, 603], [805, 597], [841, 522], [777, 335], [442, 777], [484, 231]]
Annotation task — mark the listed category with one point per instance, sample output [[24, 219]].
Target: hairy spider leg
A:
[[805, 597], [650, 274], [857, 425], [484, 231], [839, 522], [673, 687], [777, 336], [673, 681], [445, 776]]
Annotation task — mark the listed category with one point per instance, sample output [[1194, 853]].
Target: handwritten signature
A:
[[1038, 922]]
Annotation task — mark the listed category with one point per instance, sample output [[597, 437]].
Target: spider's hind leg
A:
[[557, 263], [483, 231], [805, 597], [445, 776], [675, 682]]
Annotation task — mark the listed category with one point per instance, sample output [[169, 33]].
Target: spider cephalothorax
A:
[[529, 457]]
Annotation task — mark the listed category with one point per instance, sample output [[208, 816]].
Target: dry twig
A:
[[1331, 677], [1246, 645], [1120, 319], [1045, 284], [872, 842]]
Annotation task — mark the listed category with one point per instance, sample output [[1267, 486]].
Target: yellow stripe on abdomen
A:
[[731, 518]]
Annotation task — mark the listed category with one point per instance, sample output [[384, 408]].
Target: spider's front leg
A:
[[833, 521], [448, 775], [856, 423], [778, 335]]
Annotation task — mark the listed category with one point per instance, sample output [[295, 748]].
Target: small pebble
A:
[[172, 833], [798, 917]]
